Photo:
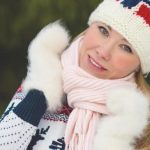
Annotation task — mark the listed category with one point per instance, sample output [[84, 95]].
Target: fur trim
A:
[[44, 69], [130, 111]]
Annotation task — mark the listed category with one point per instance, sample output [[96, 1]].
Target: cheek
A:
[[91, 37], [125, 64], [87, 43], [82, 54]]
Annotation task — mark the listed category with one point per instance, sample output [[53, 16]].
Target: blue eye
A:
[[126, 48], [104, 31]]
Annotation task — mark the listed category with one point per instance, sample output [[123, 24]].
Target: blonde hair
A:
[[143, 143], [141, 82]]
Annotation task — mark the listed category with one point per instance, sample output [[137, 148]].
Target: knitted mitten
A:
[[28, 108]]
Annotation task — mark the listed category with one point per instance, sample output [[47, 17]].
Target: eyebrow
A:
[[126, 40], [109, 27]]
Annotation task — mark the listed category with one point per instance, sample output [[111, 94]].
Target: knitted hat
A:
[[131, 18]]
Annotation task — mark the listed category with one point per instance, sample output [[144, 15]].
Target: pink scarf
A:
[[87, 96]]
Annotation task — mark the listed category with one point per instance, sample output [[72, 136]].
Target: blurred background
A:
[[20, 21]]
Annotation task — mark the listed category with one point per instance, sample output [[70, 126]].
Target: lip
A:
[[95, 64]]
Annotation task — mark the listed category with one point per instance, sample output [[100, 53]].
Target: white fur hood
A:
[[130, 108]]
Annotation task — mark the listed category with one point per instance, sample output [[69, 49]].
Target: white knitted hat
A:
[[131, 18]]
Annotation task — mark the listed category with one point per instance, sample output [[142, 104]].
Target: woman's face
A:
[[106, 54]]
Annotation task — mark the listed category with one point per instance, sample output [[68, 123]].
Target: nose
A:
[[104, 51]]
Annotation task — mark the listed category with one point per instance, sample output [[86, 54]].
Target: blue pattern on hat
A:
[[132, 3]]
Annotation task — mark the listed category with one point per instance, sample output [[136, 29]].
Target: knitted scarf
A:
[[87, 95]]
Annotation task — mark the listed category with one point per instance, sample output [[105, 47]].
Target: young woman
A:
[[103, 77]]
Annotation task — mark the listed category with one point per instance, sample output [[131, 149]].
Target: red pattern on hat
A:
[[144, 12]]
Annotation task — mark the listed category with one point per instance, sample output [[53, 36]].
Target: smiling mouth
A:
[[94, 63]]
